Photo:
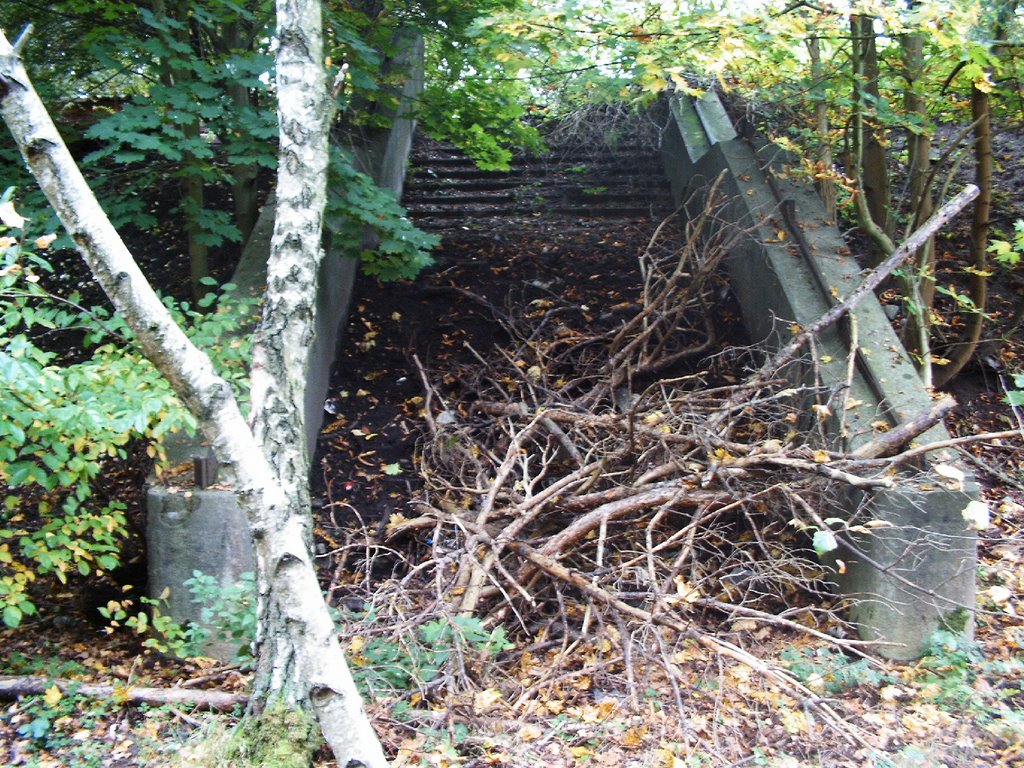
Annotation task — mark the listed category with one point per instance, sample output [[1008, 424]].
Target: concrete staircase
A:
[[445, 189]]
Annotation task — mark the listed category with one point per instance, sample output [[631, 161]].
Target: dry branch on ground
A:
[[609, 473]]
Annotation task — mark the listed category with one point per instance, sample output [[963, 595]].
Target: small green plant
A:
[[1008, 252], [949, 674], [830, 671], [42, 663], [49, 724], [406, 663], [228, 614], [1015, 396], [950, 666]]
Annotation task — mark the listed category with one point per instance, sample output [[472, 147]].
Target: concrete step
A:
[[445, 187]]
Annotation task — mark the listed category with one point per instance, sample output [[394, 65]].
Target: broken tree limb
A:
[[33, 685], [890, 442], [786, 682], [875, 277]]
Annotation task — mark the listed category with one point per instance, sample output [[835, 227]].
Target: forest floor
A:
[[565, 683]]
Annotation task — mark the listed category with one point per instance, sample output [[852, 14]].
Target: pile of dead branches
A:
[[607, 470]]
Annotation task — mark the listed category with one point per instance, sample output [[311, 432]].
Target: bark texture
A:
[[869, 149], [301, 663]]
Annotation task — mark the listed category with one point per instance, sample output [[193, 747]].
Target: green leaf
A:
[[12, 615], [824, 541], [393, 469]]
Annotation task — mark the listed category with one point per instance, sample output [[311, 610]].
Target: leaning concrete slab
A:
[[790, 266], [202, 529]]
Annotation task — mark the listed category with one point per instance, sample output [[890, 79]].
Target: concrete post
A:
[[916, 575]]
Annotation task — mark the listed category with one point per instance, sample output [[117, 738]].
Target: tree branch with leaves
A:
[[301, 667]]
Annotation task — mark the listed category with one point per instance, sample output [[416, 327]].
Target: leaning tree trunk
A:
[[301, 666]]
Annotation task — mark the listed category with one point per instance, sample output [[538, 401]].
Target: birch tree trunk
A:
[[301, 666]]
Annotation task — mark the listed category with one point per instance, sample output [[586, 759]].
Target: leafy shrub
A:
[[403, 663], [1009, 252], [379, 663], [228, 614], [66, 416], [402, 249]]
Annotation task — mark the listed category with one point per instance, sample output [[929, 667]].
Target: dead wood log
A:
[[12, 687]]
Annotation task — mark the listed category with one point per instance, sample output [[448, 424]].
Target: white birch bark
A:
[[301, 663]]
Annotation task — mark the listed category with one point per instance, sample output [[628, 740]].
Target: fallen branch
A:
[[786, 682], [953, 442], [874, 278], [891, 441], [788, 354], [12, 687]]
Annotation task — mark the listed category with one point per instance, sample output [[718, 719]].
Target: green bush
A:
[[75, 392]]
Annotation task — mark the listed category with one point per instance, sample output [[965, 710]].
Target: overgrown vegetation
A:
[[77, 394], [885, 106], [578, 491]]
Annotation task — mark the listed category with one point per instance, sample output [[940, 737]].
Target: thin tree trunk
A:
[[964, 351], [826, 186], [243, 175], [301, 666], [192, 187], [873, 167], [919, 281]]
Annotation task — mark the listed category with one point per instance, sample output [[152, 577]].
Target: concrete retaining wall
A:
[[201, 529], [916, 576]]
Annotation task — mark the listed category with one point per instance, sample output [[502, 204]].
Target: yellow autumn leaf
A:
[[44, 242], [485, 700], [723, 456], [53, 695], [686, 591], [554, 706], [634, 737], [665, 758], [795, 722], [530, 732], [821, 457]]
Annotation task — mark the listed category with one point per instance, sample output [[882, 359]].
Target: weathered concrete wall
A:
[[192, 529], [911, 577]]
